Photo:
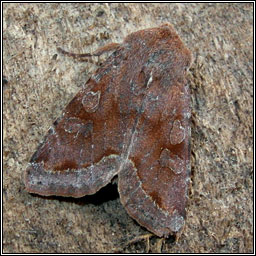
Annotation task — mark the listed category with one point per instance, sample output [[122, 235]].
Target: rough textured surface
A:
[[41, 82]]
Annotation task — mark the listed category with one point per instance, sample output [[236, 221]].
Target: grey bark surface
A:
[[41, 82]]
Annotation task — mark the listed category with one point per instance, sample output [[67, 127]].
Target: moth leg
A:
[[159, 245], [140, 238], [146, 237]]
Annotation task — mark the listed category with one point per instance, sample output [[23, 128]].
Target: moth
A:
[[131, 120]]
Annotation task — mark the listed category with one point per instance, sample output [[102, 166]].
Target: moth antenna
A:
[[98, 52], [74, 55]]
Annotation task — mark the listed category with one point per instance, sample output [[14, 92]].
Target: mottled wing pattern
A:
[[82, 151], [132, 120], [153, 183]]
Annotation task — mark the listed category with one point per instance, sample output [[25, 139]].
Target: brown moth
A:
[[130, 119]]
